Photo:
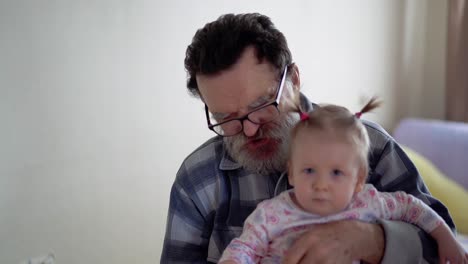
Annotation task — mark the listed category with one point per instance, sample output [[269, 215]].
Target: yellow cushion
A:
[[450, 193]]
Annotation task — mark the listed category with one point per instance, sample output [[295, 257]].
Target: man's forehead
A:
[[230, 91], [259, 101]]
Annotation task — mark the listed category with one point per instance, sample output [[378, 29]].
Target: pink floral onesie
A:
[[276, 223]]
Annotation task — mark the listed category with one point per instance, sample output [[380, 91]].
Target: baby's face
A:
[[324, 172]]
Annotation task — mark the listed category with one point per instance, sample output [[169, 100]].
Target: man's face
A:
[[234, 93]]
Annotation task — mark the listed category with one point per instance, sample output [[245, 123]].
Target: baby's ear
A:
[[361, 181], [359, 187], [290, 177]]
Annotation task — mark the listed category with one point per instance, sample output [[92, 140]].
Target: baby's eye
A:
[[337, 172], [309, 170]]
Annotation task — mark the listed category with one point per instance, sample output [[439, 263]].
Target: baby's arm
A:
[[253, 242], [227, 262], [449, 249], [406, 207]]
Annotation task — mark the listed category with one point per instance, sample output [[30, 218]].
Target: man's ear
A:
[[295, 77], [291, 93]]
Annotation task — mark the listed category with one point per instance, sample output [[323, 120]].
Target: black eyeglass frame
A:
[[275, 103]]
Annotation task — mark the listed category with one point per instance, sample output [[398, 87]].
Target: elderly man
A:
[[236, 66]]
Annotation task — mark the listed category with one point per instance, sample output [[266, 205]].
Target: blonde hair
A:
[[338, 121]]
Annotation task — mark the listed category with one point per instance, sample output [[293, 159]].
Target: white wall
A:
[[95, 118]]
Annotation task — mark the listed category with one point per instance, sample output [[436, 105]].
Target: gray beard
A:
[[278, 130]]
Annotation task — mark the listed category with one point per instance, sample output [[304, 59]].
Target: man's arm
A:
[[187, 233], [193, 204], [338, 242], [403, 243]]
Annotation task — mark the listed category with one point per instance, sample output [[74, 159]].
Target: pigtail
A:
[[303, 115], [373, 103]]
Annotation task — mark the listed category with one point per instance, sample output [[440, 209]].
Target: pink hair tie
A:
[[358, 114], [304, 116]]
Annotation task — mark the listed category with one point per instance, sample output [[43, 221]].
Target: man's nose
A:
[[250, 129]]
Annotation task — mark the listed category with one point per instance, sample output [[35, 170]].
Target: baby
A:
[[327, 168]]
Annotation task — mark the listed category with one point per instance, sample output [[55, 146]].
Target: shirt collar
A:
[[227, 163]]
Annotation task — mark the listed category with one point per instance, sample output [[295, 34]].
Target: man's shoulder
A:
[[203, 163], [378, 136], [212, 148]]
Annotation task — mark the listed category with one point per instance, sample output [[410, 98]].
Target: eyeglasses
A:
[[259, 115]]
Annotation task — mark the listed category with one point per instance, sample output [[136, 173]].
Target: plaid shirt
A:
[[212, 196]]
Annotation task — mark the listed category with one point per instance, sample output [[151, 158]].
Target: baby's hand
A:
[[452, 252]]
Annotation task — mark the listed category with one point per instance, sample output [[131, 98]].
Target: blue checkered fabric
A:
[[212, 195]]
